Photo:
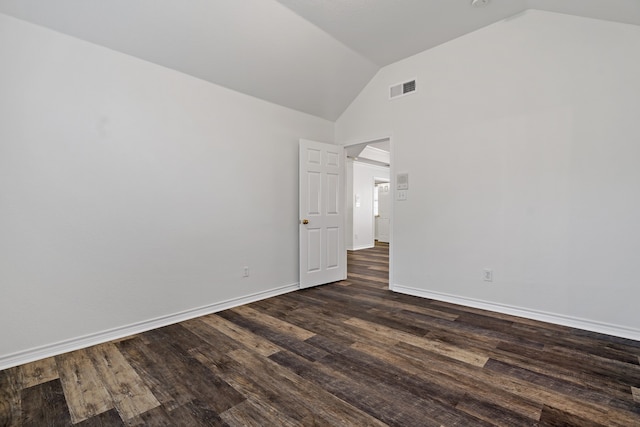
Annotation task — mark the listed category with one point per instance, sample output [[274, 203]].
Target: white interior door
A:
[[322, 250], [384, 212]]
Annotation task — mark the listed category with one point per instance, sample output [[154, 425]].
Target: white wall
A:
[[129, 191], [349, 196], [360, 220], [521, 145]]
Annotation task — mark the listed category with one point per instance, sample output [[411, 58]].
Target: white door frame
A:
[[392, 181]]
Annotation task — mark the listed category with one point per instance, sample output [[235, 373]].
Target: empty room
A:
[[320, 213]]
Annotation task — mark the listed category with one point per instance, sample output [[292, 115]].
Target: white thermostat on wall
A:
[[402, 181]]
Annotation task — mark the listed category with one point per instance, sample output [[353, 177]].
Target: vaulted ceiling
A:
[[314, 56]]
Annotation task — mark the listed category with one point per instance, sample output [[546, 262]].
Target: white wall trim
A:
[[357, 248], [559, 319], [49, 350]]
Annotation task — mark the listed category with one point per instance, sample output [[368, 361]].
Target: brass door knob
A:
[[305, 221]]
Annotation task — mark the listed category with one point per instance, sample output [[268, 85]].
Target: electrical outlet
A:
[[487, 275], [245, 271]]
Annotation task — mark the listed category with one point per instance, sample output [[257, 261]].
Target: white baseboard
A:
[[49, 350], [558, 319], [357, 248]]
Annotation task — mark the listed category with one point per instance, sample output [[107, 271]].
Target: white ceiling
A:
[[385, 31], [314, 56]]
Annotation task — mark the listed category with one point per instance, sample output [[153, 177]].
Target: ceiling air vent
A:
[[402, 89]]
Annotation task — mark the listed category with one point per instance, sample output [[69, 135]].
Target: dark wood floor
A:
[[346, 354]]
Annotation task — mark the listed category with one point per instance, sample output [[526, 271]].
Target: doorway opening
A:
[[368, 229]]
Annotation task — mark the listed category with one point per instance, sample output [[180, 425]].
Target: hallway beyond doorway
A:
[[371, 265]]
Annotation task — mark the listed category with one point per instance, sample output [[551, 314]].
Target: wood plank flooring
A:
[[350, 353]]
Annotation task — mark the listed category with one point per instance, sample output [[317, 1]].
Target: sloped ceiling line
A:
[[313, 56]]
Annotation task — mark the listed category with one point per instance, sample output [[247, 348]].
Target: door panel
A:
[[333, 249], [322, 251], [315, 190], [333, 194], [314, 248]]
